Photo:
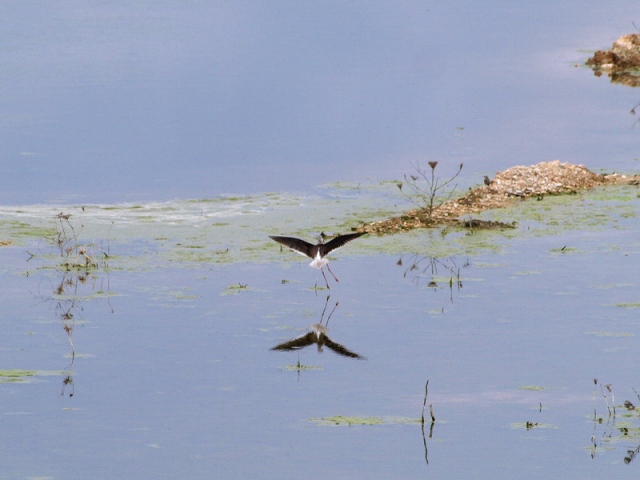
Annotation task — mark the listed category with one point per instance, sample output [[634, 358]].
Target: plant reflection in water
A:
[[85, 275], [627, 427], [417, 267]]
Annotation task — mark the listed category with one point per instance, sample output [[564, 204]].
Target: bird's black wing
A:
[[298, 342], [338, 242], [295, 244], [339, 349]]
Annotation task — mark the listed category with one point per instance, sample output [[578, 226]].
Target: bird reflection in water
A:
[[318, 335]]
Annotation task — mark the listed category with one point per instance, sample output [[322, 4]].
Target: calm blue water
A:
[[116, 102]]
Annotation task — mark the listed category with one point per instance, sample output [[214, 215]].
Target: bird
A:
[[487, 180], [319, 251], [318, 335]]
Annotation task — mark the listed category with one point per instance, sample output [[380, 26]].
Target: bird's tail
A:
[[319, 263]]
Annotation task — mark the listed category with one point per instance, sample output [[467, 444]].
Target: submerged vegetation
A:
[[339, 420], [77, 255]]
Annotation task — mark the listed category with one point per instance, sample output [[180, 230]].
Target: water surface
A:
[[117, 102]]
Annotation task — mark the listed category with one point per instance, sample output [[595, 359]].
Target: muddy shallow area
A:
[[621, 62], [545, 178]]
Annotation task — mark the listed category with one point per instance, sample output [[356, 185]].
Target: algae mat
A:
[[228, 230]]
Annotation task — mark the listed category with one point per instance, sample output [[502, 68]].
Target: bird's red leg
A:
[[332, 273], [325, 279]]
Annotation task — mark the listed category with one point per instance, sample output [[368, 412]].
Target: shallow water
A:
[[174, 375]]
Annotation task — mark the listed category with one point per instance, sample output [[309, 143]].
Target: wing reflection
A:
[[318, 335]]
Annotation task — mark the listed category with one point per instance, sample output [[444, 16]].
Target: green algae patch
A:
[[533, 388], [16, 376], [628, 427], [183, 296], [228, 230], [531, 425], [299, 367], [25, 376], [18, 231], [82, 298], [612, 285], [610, 334], [590, 210], [340, 420], [628, 305], [407, 421], [564, 250], [235, 289]]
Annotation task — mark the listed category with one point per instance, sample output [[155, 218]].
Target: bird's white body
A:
[[318, 262]]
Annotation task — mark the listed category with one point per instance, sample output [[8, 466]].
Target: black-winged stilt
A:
[[317, 252]]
